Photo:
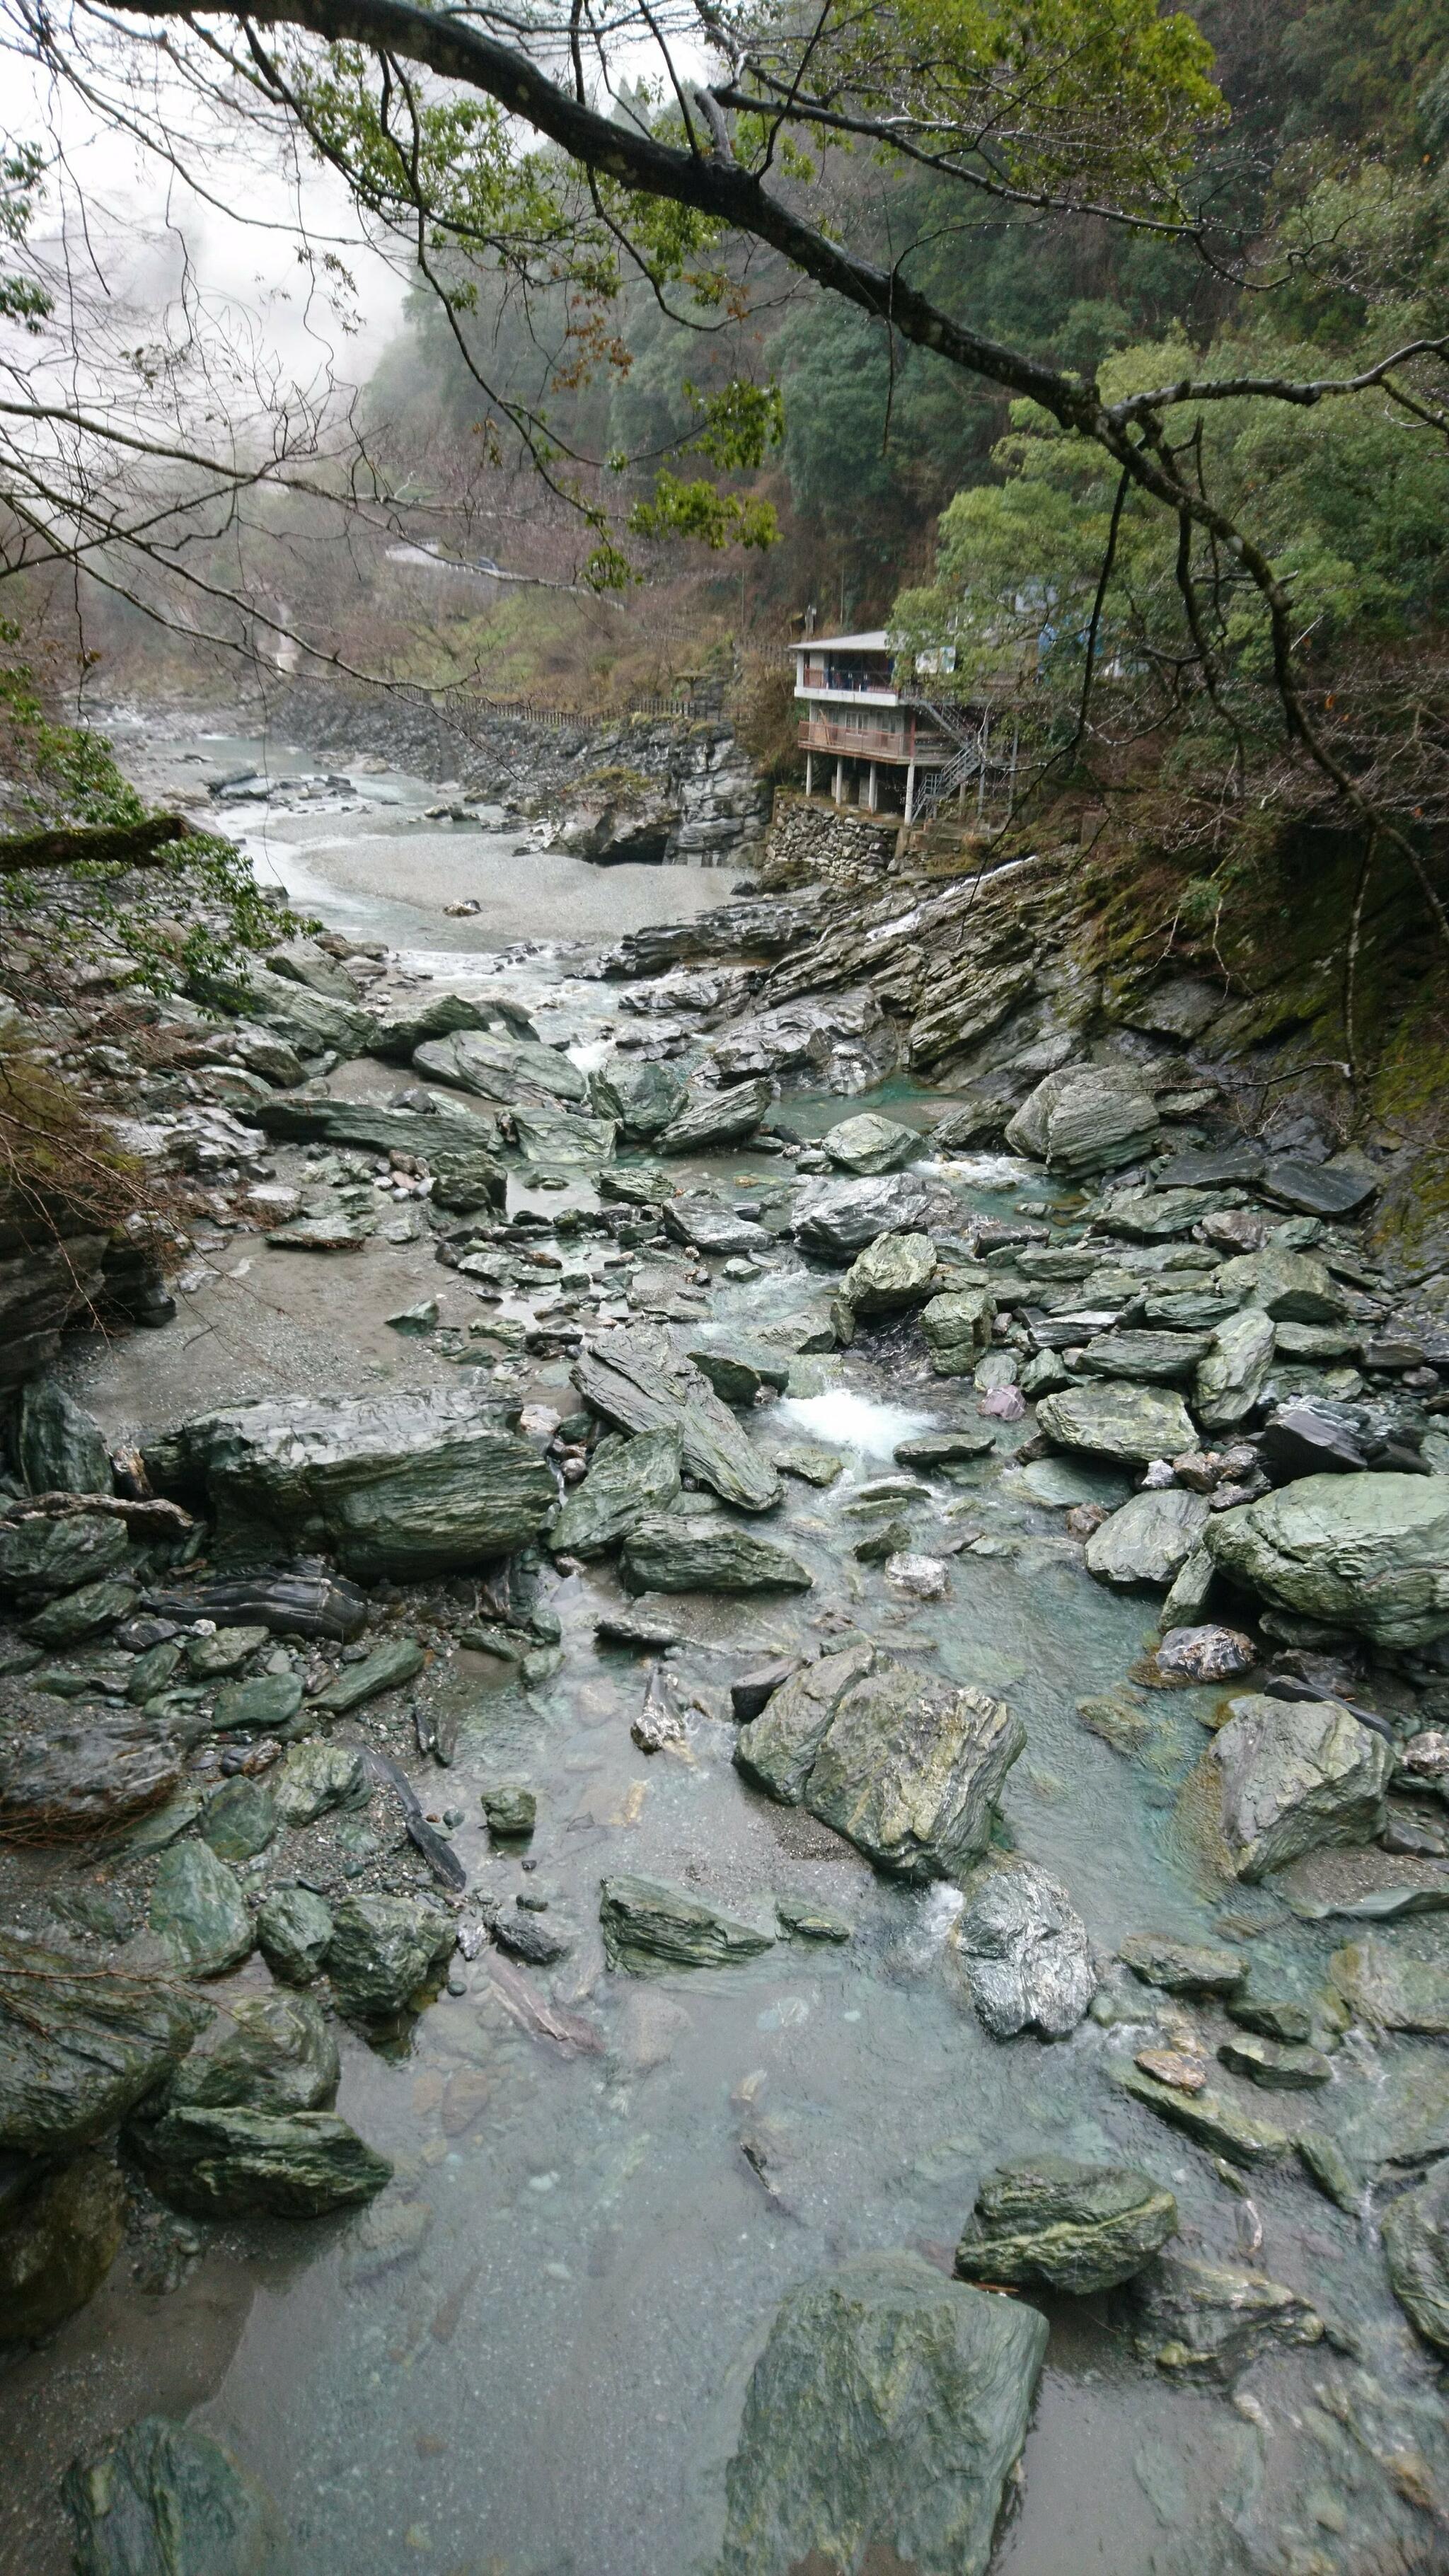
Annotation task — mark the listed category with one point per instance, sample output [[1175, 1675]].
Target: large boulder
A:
[[59, 2236], [869, 1144], [404, 1026], [1369, 1552], [649, 1928], [710, 1119], [1295, 1775], [402, 1485], [1390, 1990], [638, 1381], [1053, 2225], [267, 2052], [1111, 1420], [163, 2500], [1024, 1953], [227, 2162], [1234, 1372], [883, 2418], [641, 1097], [58, 1445], [1149, 1540], [382, 1950], [1415, 2231], [511, 1072], [1086, 1118], [78, 2050], [672, 1554], [563, 1140], [628, 1481], [957, 1329], [907, 1767], [294, 1934], [1291, 1287], [82, 1776], [41, 1557], [198, 1911], [894, 1272], [837, 1219], [311, 1022]]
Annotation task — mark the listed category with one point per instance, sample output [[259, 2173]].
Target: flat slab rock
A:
[[1295, 1776], [883, 2418], [627, 1481], [1109, 1419], [637, 1380], [649, 1928], [675, 1554], [907, 1767], [1210, 2321]]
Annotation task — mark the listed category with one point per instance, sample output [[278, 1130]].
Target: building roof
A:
[[874, 642]]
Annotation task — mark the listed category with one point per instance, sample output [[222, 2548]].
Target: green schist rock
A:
[[86, 1613], [957, 1329], [703, 1555], [1112, 1420], [1160, 1359], [944, 1448], [394, 1484], [1118, 1719], [399, 1661], [1272, 2017], [739, 1370], [811, 1922], [1416, 2248], [198, 1910], [211, 1658], [1233, 1374], [638, 1381], [516, 1073], [1045, 1374], [1290, 1286], [641, 1098], [151, 1672], [58, 1445], [163, 2500], [1294, 1776], [1369, 1552], [870, 1143], [883, 2418], [563, 1140], [649, 1928], [239, 1819], [383, 1948], [267, 1701], [1059, 1484], [322, 1234], [58, 2239], [1151, 1216], [78, 2050], [711, 1118], [906, 1766], [1208, 2118], [1328, 2168], [1053, 2225], [85, 1775], [510, 1810], [227, 2162], [1211, 2321], [415, 1322], [1183, 1967], [1381, 1985], [42, 1558], [641, 1185], [1191, 1590], [1149, 1540], [1086, 1118], [894, 1272], [405, 1026], [294, 1934], [812, 1466], [1274, 2067], [269, 2052], [317, 1777]]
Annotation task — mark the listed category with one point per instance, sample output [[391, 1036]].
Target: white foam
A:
[[844, 1420], [590, 1053]]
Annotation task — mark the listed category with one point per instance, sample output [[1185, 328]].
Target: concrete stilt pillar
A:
[[910, 789], [839, 789], [871, 790], [809, 773]]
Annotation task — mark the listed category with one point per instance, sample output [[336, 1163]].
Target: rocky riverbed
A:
[[723, 1785]]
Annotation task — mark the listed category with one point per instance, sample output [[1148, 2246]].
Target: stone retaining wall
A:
[[837, 843]]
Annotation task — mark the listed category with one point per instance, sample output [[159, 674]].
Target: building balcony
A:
[[868, 742]]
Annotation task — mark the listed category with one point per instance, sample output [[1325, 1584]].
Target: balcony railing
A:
[[867, 742]]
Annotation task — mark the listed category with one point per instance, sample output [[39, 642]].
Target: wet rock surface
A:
[[1055, 2225], [1024, 1954]]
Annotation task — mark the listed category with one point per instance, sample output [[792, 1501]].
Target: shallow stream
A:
[[539, 2373]]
